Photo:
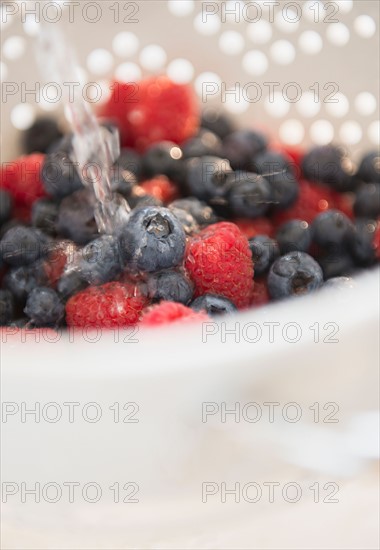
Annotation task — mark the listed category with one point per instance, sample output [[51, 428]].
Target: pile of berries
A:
[[221, 219]]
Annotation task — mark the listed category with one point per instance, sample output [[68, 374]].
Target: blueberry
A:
[[187, 221], [5, 206], [369, 169], [330, 165], [332, 230], [367, 201], [264, 252], [249, 194], [217, 122], [164, 158], [240, 146], [213, 305], [6, 307], [336, 264], [21, 280], [100, 260], [23, 245], [202, 213], [44, 307], [76, 218], [271, 164], [206, 143], [129, 161], [294, 274], [152, 240], [40, 136], [362, 246], [294, 235], [44, 216], [70, 283], [171, 286], [206, 178], [123, 182], [59, 175], [63, 144]]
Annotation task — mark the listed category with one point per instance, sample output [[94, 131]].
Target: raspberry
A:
[[312, 200], [161, 188], [22, 178], [171, 312], [251, 228], [155, 110], [295, 154], [259, 295], [219, 261], [107, 306]]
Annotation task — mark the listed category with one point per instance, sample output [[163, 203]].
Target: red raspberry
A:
[[171, 312], [155, 109], [312, 200], [107, 306], [258, 226], [22, 178], [259, 295], [219, 261], [161, 188]]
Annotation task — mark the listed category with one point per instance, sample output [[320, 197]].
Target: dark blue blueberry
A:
[[241, 146], [280, 173], [63, 144], [21, 280], [44, 307], [336, 264], [202, 213], [362, 246], [100, 260], [44, 216], [187, 221], [23, 322], [330, 165], [285, 190], [129, 161], [40, 136], [369, 169], [213, 305], [76, 218], [164, 158], [123, 182], [294, 274], [217, 122], [70, 283], [152, 240], [5, 206], [206, 178], [294, 235], [249, 194], [171, 286], [206, 143], [59, 175], [23, 245], [340, 283], [6, 307], [264, 252], [367, 201], [332, 230]]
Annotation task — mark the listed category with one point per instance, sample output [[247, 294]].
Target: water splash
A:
[[95, 148]]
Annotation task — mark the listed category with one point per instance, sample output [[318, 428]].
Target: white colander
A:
[[230, 51]]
